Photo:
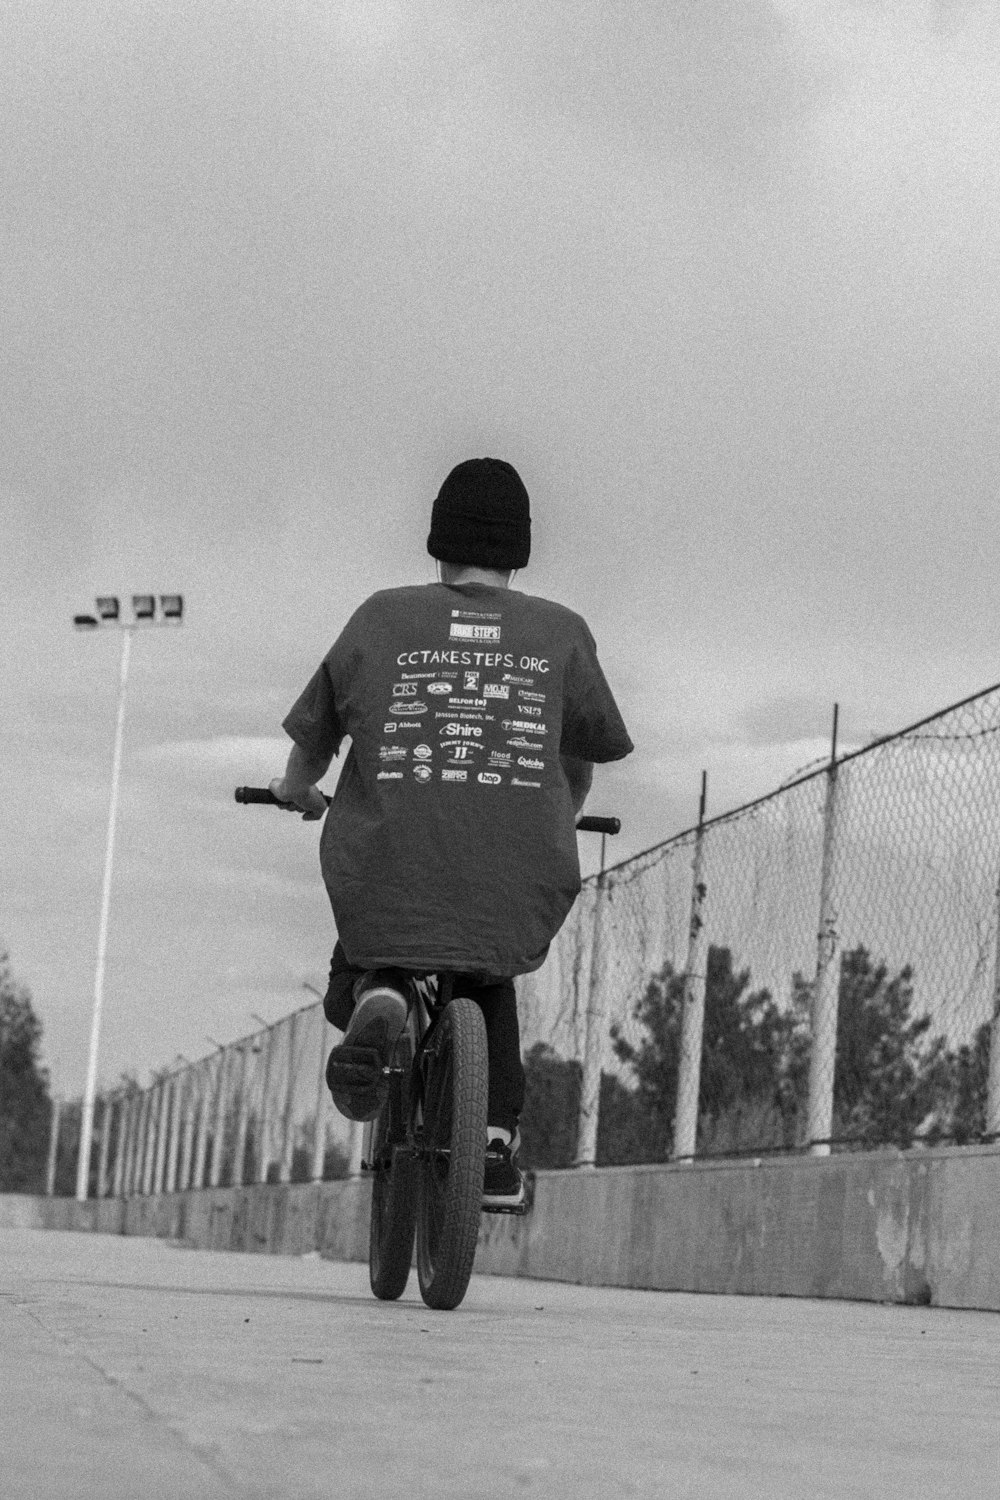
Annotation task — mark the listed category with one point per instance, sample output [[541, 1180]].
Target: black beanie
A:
[[481, 517]]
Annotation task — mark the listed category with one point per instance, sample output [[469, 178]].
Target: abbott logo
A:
[[489, 778]]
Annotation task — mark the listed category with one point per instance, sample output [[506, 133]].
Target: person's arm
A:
[[298, 785], [580, 775]]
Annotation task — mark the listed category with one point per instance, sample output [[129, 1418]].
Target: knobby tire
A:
[[454, 1159], [394, 1188]]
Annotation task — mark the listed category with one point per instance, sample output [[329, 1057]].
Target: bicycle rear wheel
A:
[[453, 1161], [394, 1187]]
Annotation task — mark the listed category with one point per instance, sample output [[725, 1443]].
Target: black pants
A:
[[497, 1001]]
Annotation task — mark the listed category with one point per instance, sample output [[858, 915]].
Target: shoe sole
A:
[[509, 1201], [378, 1019]]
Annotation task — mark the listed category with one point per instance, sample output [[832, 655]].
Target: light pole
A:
[[144, 614]]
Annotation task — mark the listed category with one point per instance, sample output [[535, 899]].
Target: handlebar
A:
[[263, 794]]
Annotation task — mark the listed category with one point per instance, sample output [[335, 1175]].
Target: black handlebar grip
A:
[[264, 794], [588, 824]]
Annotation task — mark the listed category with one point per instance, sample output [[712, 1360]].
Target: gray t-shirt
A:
[[450, 842]]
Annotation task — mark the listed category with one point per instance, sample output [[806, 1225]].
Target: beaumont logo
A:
[[422, 773], [389, 776], [460, 631], [496, 690], [421, 752], [447, 775], [530, 765], [516, 781], [439, 687], [524, 725], [408, 708], [489, 778]]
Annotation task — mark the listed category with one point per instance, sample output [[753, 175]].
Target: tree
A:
[[752, 1053], [25, 1107], [890, 1075], [548, 1122]]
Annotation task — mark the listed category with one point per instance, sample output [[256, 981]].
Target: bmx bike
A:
[[425, 1150]]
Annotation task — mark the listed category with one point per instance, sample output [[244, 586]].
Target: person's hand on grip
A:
[[310, 803]]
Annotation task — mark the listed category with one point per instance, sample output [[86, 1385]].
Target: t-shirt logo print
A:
[[422, 773]]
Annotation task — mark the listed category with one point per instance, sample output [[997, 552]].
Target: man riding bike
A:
[[476, 714]]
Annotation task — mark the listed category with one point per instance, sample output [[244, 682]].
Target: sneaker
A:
[[355, 1070], [503, 1183]]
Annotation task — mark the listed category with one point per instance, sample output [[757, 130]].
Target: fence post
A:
[[319, 1131], [693, 1014], [219, 1133], [177, 1096], [593, 1045], [149, 1141], [132, 1143], [107, 1109], [192, 1100], [121, 1142], [826, 990], [243, 1114], [991, 1123], [264, 1152], [205, 1104], [355, 1148], [50, 1171], [287, 1123], [138, 1152], [162, 1130]]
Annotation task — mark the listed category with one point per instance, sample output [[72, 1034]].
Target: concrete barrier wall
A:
[[920, 1226]]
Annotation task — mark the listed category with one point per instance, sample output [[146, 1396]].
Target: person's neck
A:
[[465, 573]]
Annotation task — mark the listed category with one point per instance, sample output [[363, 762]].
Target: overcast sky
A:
[[720, 277]]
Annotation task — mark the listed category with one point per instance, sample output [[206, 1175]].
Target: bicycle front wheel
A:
[[454, 1154]]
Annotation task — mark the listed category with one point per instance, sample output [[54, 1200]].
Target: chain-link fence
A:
[[818, 969], [256, 1110]]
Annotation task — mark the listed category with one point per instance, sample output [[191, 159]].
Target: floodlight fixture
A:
[[107, 607], [172, 608], [144, 606]]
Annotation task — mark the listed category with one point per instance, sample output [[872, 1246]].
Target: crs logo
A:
[[422, 773], [438, 688], [422, 752], [404, 690], [489, 778]]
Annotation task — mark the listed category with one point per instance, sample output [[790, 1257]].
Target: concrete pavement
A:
[[135, 1368]]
